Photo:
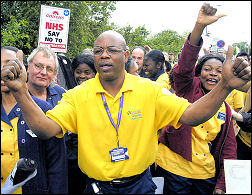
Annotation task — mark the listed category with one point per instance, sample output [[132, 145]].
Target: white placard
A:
[[237, 176], [53, 28]]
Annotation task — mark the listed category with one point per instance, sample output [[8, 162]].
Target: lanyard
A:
[[110, 117]]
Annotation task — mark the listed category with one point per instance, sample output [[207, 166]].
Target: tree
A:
[[14, 33], [167, 41], [133, 37], [22, 17]]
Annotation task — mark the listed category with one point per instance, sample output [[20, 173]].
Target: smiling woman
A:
[[153, 64], [209, 69], [83, 67]]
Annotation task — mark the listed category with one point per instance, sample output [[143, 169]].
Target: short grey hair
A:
[[88, 51], [48, 52]]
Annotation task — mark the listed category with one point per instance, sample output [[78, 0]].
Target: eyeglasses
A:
[[40, 67], [98, 51], [135, 57]]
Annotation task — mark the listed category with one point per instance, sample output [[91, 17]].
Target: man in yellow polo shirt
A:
[[117, 115]]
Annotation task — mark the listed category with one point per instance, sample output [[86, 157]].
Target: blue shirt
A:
[[54, 94], [49, 154]]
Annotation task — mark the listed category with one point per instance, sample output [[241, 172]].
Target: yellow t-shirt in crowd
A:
[[9, 150], [163, 79], [203, 164], [147, 107], [235, 99], [246, 136]]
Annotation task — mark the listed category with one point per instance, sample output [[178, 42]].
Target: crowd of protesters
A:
[[111, 119]]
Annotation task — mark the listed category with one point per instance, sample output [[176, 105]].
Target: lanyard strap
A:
[[109, 115]]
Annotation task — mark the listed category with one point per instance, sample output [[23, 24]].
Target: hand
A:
[[205, 51], [147, 48], [235, 73], [207, 15], [236, 116], [218, 191], [14, 74]]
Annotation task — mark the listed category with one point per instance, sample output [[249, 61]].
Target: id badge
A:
[[119, 154]]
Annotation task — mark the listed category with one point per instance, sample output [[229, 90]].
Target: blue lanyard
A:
[[110, 117]]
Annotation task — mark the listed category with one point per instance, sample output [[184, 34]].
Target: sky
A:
[[181, 16]]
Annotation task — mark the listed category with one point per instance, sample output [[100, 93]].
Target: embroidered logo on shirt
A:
[[135, 114], [221, 116], [31, 133]]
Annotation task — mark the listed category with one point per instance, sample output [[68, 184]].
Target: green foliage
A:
[[134, 37], [243, 47], [167, 41], [15, 34]]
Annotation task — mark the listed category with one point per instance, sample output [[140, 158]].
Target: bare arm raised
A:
[[14, 75]]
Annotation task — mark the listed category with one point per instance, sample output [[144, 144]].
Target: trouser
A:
[[76, 178], [144, 185], [243, 151], [175, 184]]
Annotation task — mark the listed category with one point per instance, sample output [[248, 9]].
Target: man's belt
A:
[[125, 181]]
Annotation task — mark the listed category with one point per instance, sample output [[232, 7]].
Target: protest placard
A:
[[53, 28]]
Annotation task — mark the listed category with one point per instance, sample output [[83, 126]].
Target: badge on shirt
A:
[[221, 116], [119, 154], [166, 91], [31, 133]]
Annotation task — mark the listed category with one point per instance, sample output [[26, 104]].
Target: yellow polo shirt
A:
[[203, 164], [9, 150], [164, 80], [235, 99], [147, 107]]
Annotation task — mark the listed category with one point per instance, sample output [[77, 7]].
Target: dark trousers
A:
[[243, 151], [175, 184], [144, 185], [76, 178]]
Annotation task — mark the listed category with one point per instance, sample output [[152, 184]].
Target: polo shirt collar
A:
[[128, 84], [51, 91], [4, 116], [15, 112]]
